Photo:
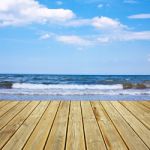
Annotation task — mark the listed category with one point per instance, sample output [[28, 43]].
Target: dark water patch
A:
[[134, 86], [6, 85]]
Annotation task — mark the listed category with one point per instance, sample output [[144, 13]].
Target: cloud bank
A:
[[24, 12], [73, 39], [139, 16], [20, 12]]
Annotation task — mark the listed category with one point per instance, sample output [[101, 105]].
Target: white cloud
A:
[[106, 23], [100, 5], [103, 38], [130, 1], [110, 30], [20, 12], [142, 35], [48, 35], [45, 36], [140, 16], [73, 39], [113, 30], [124, 36], [67, 39], [102, 23], [59, 2]]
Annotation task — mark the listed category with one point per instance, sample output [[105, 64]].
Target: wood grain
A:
[[74, 125]]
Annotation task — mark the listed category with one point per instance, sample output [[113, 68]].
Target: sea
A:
[[74, 87]]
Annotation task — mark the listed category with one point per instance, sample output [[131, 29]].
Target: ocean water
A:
[[74, 87]]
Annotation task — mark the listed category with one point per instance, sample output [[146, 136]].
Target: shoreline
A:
[[72, 100], [75, 97]]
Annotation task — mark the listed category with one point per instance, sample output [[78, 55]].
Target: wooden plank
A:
[[11, 113], [139, 111], [75, 135], [138, 127], [3, 103], [91, 125], [129, 136], [20, 137], [38, 138], [4, 109], [57, 137], [7, 132], [110, 134], [139, 104], [93, 136], [145, 103]]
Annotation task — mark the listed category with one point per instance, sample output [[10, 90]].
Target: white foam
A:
[[66, 86], [74, 89], [73, 92]]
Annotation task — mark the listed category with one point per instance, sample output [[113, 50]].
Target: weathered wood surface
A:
[[75, 125]]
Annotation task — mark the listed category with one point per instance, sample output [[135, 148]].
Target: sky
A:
[[75, 36]]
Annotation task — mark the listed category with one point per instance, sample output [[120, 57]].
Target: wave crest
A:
[[66, 86]]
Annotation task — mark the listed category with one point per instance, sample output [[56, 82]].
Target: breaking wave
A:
[[71, 89], [65, 86]]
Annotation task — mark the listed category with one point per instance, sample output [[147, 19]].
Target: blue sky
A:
[[75, 37]]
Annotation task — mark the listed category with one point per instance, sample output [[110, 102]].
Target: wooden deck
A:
[[80, 125]]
